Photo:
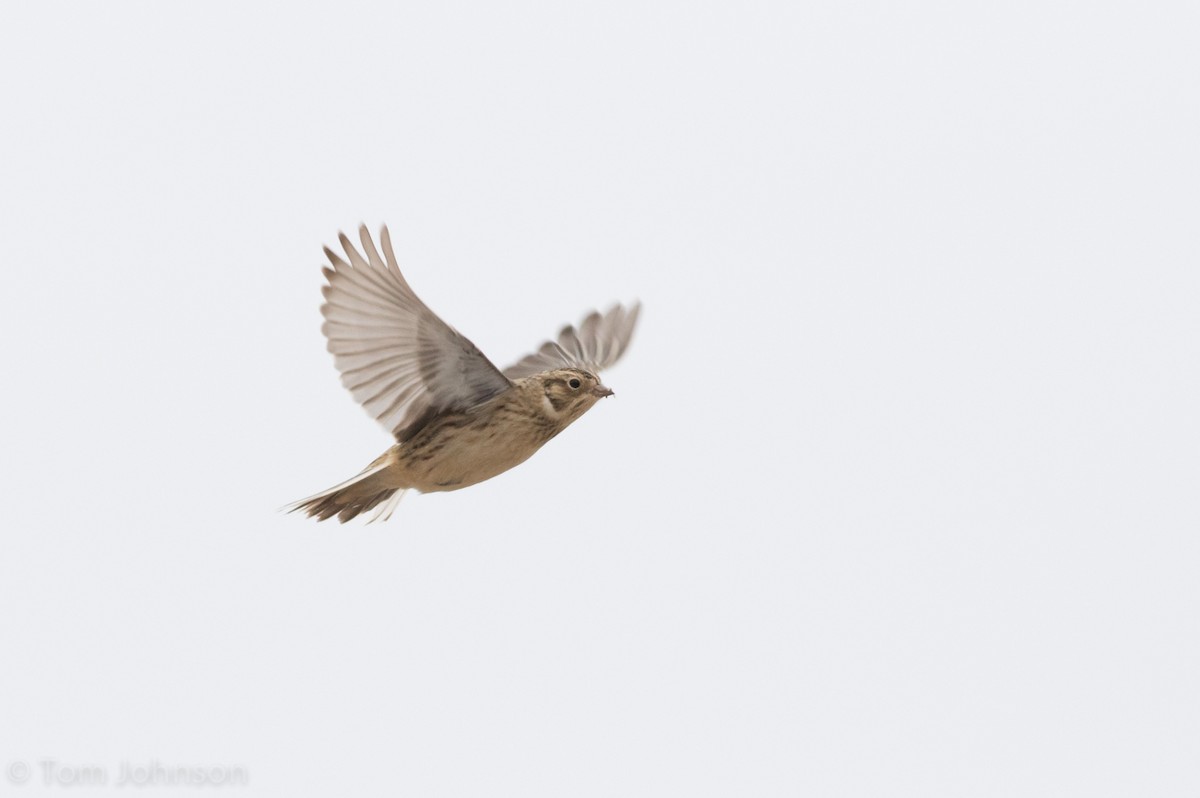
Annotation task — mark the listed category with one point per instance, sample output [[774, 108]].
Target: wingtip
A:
[[334, 259], [356, 258], [389, 256]]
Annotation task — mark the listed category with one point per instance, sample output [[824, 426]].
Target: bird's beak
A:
[[600, 390]]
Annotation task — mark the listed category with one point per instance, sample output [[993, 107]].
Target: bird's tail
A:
[[370, 490]]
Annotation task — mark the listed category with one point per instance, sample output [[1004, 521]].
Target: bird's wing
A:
[[401, 362], [596, 345]]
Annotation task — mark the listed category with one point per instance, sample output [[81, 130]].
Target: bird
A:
[[457, 419]]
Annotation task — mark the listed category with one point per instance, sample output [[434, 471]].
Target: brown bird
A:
[[458, 419]]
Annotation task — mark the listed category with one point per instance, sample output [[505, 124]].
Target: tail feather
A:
[[385, 509], [366, 491]]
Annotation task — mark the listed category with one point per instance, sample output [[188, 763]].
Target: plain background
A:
[[898, 493]]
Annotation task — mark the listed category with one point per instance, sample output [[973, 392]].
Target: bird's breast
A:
[[461, 449]]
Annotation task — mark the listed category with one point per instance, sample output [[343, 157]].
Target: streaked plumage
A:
[[457, 419]]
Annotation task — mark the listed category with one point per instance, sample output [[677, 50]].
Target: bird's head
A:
[[569, 393]]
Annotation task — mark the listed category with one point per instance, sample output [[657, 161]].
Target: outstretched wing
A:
[[597, 344], [399, 360]]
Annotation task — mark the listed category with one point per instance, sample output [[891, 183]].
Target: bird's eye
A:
[[574, 383]]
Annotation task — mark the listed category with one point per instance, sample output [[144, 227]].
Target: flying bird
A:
[[457, 419]]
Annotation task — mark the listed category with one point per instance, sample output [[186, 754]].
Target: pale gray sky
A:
[[898, 494]]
